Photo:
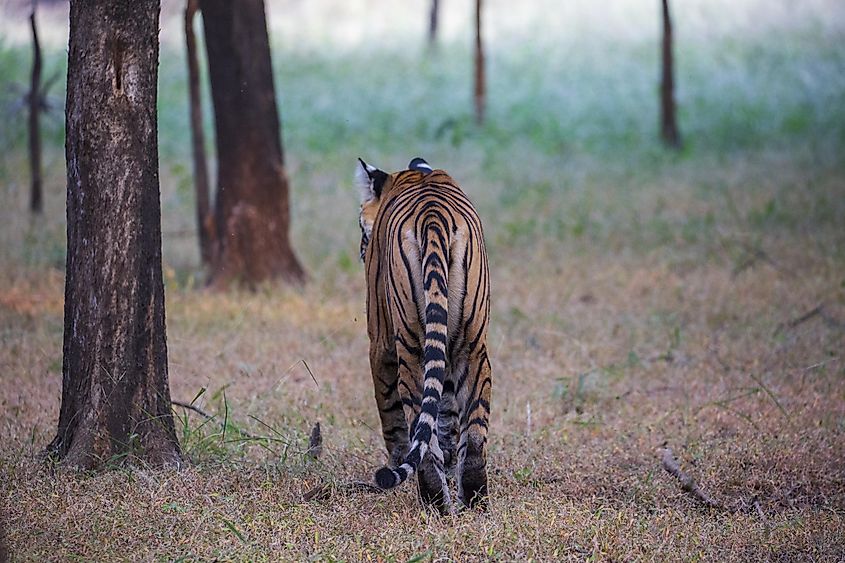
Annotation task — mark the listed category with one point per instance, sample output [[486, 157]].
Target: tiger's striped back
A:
[[428, 309]]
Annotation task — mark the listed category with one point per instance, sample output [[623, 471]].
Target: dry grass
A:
[[615, 356]]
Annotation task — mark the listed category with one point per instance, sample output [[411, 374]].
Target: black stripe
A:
[[430, 408], [433, 354], [477, 421], [435, 336], [413, 350], [409, 393], [435, 313], [431, 392], [434, 276]]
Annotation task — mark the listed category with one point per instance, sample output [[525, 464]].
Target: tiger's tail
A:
[[434, 269]]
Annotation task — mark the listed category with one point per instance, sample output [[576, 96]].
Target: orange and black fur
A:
[[428, 307]]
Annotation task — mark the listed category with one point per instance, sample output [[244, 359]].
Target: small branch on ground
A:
[[320, 492], [191, 407], [817, 311], [794, 323], [362, 486], [688, 484], [315, 444], [207, 416], [753, 254]]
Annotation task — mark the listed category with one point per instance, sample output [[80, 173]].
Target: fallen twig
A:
[[191, 407], [363, 486], [753, 254], [819, 364], [207, 416], [817, 310], [688, 484]]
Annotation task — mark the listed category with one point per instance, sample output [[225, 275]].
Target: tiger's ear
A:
[[370, 181], [420, 165]]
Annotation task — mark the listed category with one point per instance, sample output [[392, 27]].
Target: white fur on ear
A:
[[364, 181]]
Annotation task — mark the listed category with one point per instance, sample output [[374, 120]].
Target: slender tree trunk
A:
[[115, 394], [201, 184], [251, 214], [668, 119], [432, 23], [479, 96], [35, 198]]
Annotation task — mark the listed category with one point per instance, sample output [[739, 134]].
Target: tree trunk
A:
[[201, 184], [36, 204], [479, 96], [668, 120], [251, 214], [115, 394], [432, 23]]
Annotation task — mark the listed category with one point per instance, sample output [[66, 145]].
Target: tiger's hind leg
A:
[[386, 385], [431, 480], [474, 398]]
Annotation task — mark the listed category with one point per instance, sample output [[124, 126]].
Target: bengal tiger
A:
[[428, 307]]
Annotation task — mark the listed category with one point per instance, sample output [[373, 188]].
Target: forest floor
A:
[[598, 362], [641, 299]]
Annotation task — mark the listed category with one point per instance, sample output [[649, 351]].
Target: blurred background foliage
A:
[[569, 153]]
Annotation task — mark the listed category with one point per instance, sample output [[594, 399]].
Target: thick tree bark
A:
[[668, 119], [251, 214], [115, 394], [201, 184], [479, 92], [432, 23], [35, 197]]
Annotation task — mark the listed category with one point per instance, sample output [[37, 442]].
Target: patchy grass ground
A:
[[598, 361], [639, 299]]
